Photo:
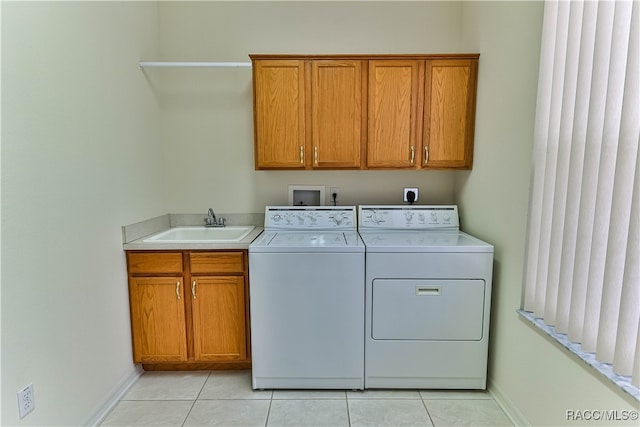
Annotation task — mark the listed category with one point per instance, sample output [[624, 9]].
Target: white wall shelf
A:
[[174, 64]]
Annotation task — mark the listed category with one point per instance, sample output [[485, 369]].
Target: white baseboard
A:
[[507, 405], [115, 397]]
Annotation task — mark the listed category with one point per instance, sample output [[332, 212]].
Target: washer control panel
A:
[[310, 217], [431, 217]]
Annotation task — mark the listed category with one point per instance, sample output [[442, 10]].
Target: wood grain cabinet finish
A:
[[195, 319], [279, 114], [219, 318], [307, 114], [364, 111], [395, 98], [158, 319], [336, 113], [219, 306], [449, 113]]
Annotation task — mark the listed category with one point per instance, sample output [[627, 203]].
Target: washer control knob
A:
[[408, 216]]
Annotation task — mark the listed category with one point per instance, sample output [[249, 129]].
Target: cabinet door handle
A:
[[426, 154], [178, 289], [315, 155], [193, 290], [301, 155], [413, 154]]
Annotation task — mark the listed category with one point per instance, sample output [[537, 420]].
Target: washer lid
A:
[[308, 241], [422, 241]]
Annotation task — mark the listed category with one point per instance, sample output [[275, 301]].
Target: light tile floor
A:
[[225, 398]]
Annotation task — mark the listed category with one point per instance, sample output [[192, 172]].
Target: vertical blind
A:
[[582, 273]]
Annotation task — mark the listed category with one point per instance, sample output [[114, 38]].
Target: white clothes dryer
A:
[[428, 296]]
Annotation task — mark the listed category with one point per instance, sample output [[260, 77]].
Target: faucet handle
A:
[[221, 221]]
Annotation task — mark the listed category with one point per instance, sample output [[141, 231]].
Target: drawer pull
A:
[[178, 289], [434, 291], [193, 290]]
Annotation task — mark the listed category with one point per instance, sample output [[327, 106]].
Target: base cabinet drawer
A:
[[216, 262]]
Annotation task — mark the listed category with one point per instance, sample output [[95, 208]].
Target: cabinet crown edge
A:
[[413, 56]]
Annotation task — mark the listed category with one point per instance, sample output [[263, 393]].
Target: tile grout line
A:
[[426, 409], [346, 398], [196, 399], [266, 421]]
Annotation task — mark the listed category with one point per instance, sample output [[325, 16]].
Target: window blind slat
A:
[[595, 129], [629, 316], [535, 293], [552, 189], [620, 186], [629, 319], [614, 41], [543, 103], [578, 147], [561, 220]]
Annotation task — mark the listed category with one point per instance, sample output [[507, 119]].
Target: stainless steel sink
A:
[[231, 233]]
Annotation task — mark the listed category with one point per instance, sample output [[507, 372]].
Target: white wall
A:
[[80, 158], [538, 378], [207, 114]]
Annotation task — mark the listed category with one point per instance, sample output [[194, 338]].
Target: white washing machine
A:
[[307, 299], [428, 296]]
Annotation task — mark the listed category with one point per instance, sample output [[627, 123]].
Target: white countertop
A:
[[133, 235], [141, 245]]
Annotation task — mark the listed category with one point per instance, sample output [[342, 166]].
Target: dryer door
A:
[[420, 309]]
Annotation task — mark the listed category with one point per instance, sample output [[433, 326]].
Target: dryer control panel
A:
[[427, 217]]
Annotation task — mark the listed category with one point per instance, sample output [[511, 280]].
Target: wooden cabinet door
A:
[[158, 319], [279, 114], [218, 305], [449, 113], [395, 102], [336, 109]]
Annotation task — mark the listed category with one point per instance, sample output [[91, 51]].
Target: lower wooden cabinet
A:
[[157, 317], [189, 309], [218, 318]]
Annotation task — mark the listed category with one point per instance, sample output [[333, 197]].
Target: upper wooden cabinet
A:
[[279, 114], [395, 99], [364, 111], [449, 113], [336, 113], [307, 114]]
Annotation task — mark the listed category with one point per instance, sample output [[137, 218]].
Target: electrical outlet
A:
[[336, 191], [407, 190], [26, 401]]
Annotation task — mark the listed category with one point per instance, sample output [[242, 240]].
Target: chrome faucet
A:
[[212, 221]]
